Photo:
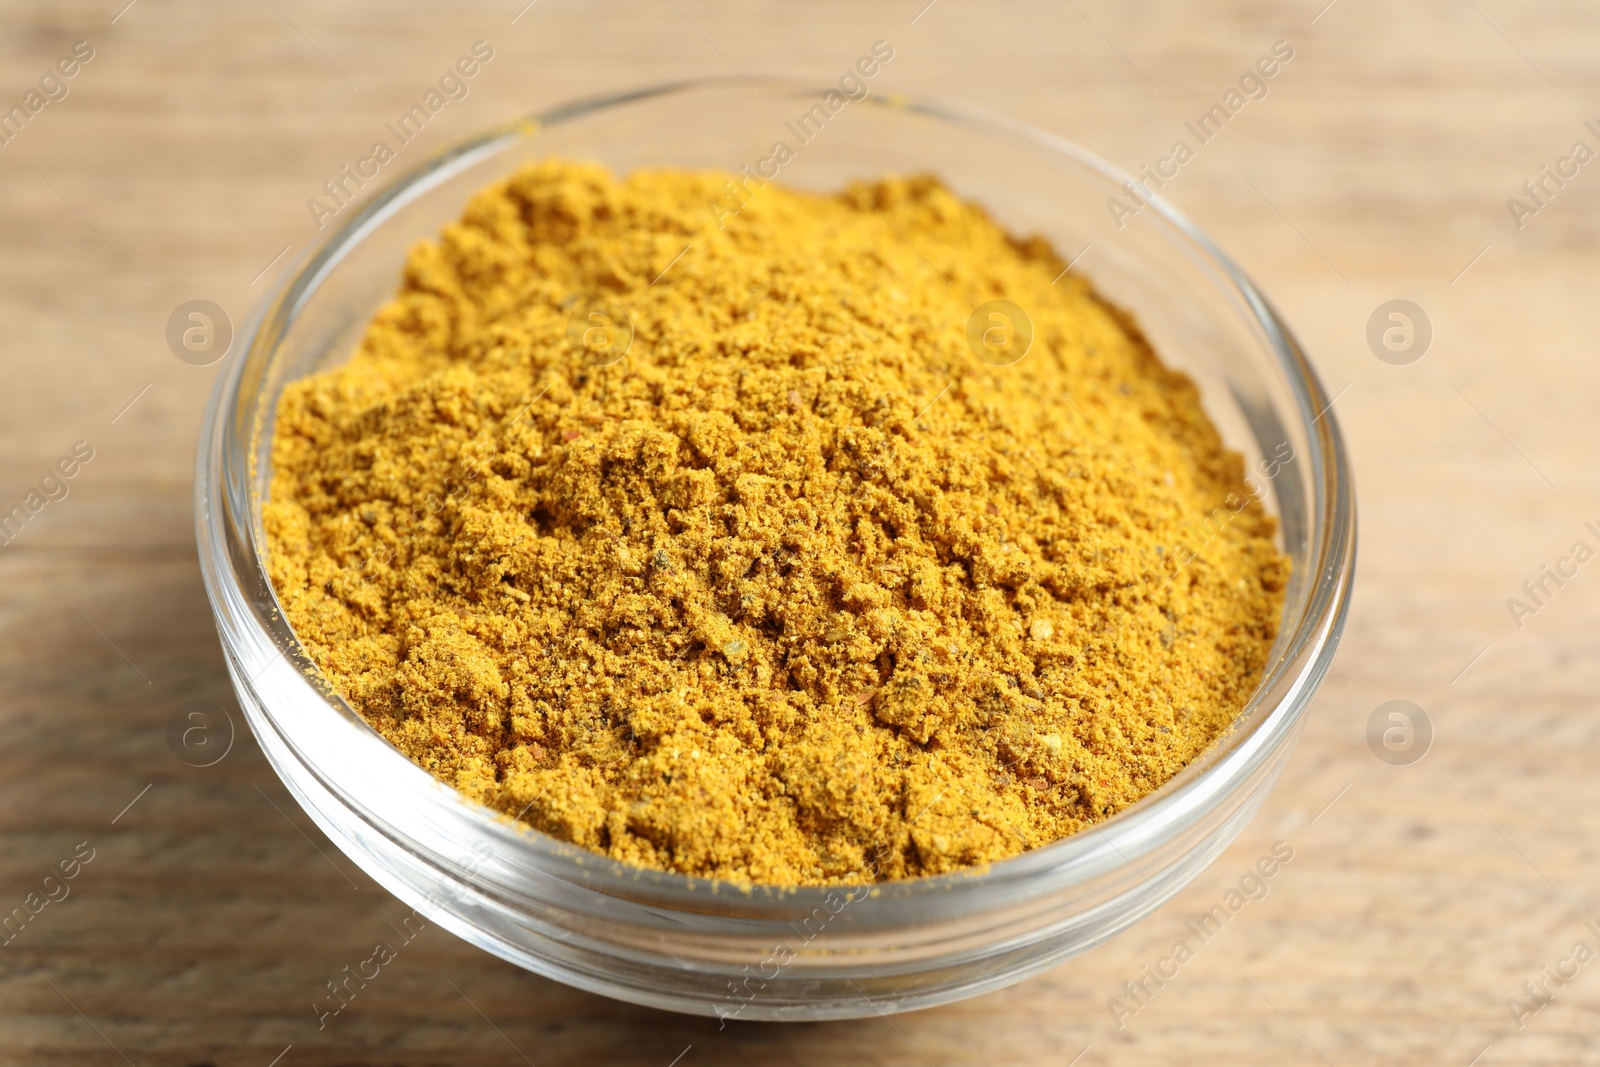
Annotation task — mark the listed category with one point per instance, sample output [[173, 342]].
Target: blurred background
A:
[[1408, 188]]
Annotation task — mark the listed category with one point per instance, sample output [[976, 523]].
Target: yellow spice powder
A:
[[798, 590]]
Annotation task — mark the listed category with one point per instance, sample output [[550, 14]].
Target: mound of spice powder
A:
[[799, 589]]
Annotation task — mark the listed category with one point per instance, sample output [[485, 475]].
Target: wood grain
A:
[[1378, 167]]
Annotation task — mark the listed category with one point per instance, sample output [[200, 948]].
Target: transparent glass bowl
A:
[[771, 953]]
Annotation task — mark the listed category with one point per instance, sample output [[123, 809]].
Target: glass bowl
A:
[[767, 952]]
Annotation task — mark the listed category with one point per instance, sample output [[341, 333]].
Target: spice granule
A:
[[798, 590]]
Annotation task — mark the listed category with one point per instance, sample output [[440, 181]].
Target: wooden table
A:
[[1419, 899]]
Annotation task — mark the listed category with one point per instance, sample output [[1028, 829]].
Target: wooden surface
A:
[[1377, 168]]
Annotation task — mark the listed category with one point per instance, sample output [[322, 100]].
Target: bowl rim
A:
[[1245, 748]]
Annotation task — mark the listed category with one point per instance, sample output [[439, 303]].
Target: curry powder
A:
[[798, 590]]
